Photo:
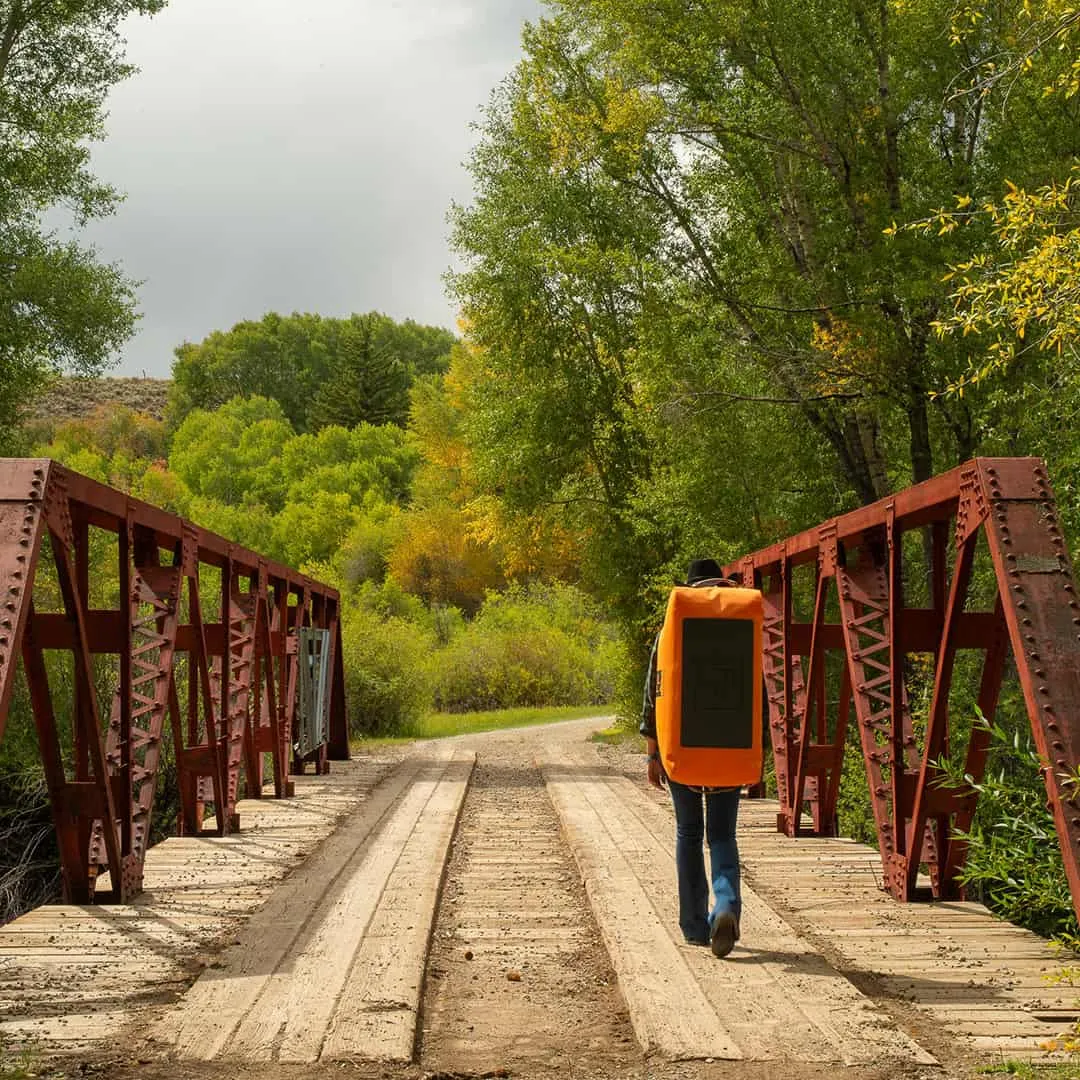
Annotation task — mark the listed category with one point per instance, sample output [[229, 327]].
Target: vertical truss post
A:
[[22, 490], [264, 733], [775, 672], [812, 703], [338, 748], [200, 751], [279, 643], [864, 610], [80, 542], [299, 616], [92, 797], [136, 729], [895, 770], [1042, 612]]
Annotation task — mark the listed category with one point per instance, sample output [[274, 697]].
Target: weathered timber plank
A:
[[376, 1015]]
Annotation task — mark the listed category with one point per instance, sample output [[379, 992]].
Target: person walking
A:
[[700, 814]]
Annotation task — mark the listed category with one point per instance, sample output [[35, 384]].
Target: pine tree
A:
[[370, 383]]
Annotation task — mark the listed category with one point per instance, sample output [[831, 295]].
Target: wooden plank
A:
[[377, 1012], [669, 1011], [57, 960], [203, 1026], [977, 977], [779, 997]]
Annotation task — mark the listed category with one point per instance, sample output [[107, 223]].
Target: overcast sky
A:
[[295, 155]]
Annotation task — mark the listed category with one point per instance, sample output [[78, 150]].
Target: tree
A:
[[535, 544], [438, 560], [766, 155], [293, 358], [561, 264], [60, 308], [278, 357], [247, 475], [233, 454], [1020, 296], [367, 383], [1017, 293]]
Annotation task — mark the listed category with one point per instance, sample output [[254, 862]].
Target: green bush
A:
[[529, 646], [854, 809], [387, 681], [1014, 862], [488, 668]]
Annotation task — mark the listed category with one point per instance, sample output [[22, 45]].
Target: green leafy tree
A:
[[278, 357], [291, 358], [561, 264], [766, 156], [242, 471], [233, 454], [1016, 296], [60, 308]]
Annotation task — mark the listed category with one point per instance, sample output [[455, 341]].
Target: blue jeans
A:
[[721, 812]]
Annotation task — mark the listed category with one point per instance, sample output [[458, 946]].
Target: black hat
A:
[[703, 570]]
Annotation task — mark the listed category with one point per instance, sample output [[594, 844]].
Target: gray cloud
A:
[[287, 157]]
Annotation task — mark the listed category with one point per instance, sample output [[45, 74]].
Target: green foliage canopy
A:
[[252, 478], [691, 204], [320, 370], [60, 308]]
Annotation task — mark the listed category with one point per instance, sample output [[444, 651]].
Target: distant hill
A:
[[74, 398]]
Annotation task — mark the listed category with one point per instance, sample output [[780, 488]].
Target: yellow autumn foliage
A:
[[439, 560]]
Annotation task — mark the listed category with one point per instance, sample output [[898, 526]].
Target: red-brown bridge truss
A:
[[239, 682], [856, 564]]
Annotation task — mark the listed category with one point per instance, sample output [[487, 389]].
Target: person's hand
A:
[[656, 774]]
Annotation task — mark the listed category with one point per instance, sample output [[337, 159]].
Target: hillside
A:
[[73, 398]]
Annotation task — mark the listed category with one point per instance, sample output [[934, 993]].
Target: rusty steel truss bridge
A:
[[225, 670], [973, 561]]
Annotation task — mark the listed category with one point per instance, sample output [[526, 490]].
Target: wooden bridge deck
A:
[[305, 937], [972, 976], [72, 976]]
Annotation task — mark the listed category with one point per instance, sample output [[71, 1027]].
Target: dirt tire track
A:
[[517, 976]]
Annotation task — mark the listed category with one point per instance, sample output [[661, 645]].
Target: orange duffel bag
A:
[[708, 689]]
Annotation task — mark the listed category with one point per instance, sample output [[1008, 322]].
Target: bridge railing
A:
[[222, 671], [853, 567]]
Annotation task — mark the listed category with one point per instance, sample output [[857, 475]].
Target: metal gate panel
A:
[[313, 702]]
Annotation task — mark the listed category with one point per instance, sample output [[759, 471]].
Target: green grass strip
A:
[[439, 725]]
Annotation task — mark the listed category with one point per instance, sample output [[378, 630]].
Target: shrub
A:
[[1014, 862], [529, 646], [488, 668], [365, 554], [387, 681]]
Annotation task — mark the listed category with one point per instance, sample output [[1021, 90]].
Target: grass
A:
[[1027, 1070], [438, 725], [18, 1064], [618, 735]]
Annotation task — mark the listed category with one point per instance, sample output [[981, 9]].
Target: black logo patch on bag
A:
[[717, 684]]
